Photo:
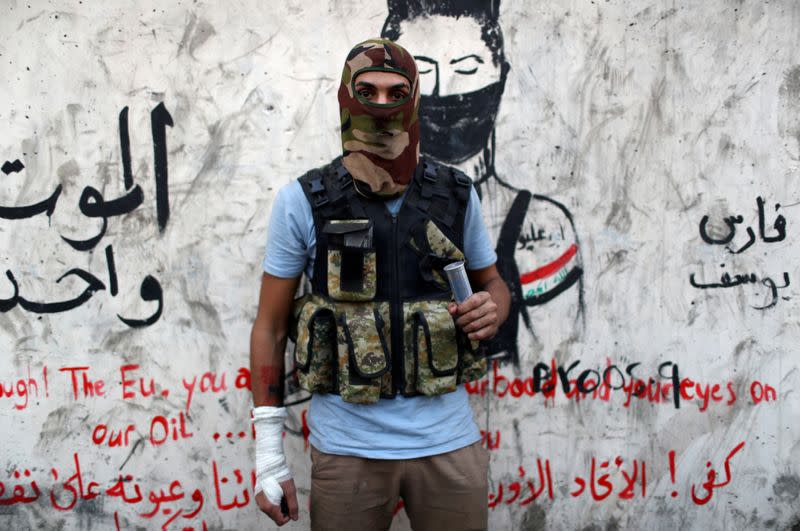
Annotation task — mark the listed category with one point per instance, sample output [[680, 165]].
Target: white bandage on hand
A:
[[270, 460]]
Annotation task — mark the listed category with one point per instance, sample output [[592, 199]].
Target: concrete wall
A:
[[651, 150]]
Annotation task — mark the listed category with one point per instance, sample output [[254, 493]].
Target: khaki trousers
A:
[[440, 492]]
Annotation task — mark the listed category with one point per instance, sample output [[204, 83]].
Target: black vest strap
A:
[[443, 194], [336, 185], [331, 193]]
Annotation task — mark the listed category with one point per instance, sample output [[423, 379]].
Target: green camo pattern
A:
[[367, 351], [320, 375], [442, 247], [370, 359], [369, 274], [327, 357], [384, 312], [473, 365], [443, 352]]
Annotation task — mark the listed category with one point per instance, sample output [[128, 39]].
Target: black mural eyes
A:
[[427, 60], [472, 60], [464, 70]]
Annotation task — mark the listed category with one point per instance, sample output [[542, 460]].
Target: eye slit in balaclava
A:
[[380, 141]]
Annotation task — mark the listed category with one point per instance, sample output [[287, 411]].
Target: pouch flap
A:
[[315, 332], [353, 233], [343, 226], [352, 274], [440, 245], [435, 250], [439, 333], [363, 331]]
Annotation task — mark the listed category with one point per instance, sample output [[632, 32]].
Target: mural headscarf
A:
[[380, 141]]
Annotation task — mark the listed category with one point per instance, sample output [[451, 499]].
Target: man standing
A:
[[379, 342]]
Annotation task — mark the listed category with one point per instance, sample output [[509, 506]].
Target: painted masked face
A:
[[461, 82], [458, 126], [380, 128]]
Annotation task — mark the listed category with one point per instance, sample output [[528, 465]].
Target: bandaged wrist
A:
[[270, 460]]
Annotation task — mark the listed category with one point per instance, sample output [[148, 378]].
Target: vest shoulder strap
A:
[[331, 193], [443, 192]]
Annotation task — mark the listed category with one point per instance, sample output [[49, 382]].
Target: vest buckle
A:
[[462, 180]]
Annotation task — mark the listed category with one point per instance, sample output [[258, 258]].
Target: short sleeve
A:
[[290, 235], [478, 249]]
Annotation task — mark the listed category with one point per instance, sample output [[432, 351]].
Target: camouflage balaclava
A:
[[380, 141]]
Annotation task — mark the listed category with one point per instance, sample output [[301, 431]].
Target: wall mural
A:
[[636, 165], [462, 86]]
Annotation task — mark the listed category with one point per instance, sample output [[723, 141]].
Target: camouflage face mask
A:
[[380, 141]]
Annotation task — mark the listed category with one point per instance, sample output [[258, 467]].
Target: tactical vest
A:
[[376, 322]]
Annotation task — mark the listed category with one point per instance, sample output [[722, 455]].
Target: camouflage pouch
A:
[[315, 347], [363, 356], [473, 363], [352, 266], [431, 347], [435, 251], [385, 316]]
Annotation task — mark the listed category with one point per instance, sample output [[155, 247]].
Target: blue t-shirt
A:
[[399, 428]]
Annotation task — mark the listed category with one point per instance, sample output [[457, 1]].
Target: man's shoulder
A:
[[318, 185], [290, 192]]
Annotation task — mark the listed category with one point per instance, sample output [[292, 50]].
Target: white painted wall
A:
[[639, 117]]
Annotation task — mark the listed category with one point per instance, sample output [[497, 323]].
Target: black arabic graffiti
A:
[[92, 204], [727, 280], [779, 225], [528, 239], [46, 206]]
